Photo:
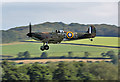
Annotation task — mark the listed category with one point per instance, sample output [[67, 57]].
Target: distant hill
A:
[[19, 33]]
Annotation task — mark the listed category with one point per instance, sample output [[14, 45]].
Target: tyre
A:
[[46, 47], [42, 48], [91, 39]]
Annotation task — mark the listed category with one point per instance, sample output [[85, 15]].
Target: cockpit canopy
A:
[[59, 31]]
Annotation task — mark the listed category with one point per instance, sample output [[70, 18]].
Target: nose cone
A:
[[29, 34]]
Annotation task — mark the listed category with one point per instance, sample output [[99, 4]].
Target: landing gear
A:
[[91, 39], [44, 47]]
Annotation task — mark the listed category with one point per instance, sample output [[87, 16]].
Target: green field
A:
[[62, 49], [106, 41]]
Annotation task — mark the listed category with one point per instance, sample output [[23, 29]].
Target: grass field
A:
[[106, 41], [62, 49]]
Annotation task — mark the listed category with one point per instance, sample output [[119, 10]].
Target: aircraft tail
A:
[[91, 30]]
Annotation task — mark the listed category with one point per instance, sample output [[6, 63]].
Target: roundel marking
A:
[[70, 34]]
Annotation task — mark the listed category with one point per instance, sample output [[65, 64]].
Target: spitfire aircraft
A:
[[60, 35]]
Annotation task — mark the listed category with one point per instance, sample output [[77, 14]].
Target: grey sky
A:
[[19, 14], [60, 0]]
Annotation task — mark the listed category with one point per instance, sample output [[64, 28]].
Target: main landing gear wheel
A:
[[44, 47]]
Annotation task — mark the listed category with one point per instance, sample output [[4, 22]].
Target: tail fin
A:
[[91, 29]]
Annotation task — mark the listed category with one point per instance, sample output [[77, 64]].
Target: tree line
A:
[[60, 71], [109, 54]]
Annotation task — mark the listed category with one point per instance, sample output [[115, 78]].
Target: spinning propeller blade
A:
[[30, 29]]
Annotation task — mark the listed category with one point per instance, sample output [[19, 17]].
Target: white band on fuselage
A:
[[90, 29]]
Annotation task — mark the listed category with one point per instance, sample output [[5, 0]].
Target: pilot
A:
[[56, 31]]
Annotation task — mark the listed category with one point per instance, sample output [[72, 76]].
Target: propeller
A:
[[30, 31]]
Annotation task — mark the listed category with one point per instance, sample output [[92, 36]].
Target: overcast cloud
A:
[[18, 14], [60, 0]]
